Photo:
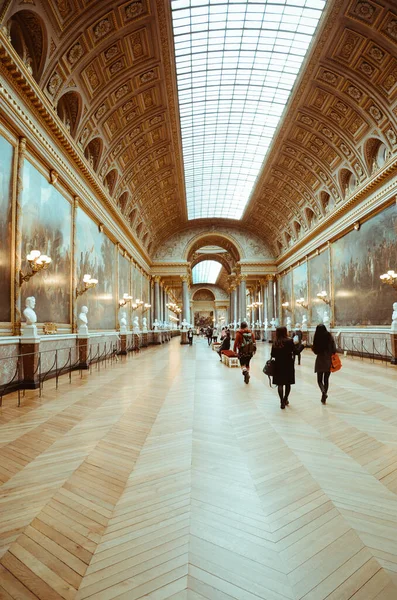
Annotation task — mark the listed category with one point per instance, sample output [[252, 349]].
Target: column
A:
[[156, 308], [270, 298], [264, 313], [16, 291], [238, 295], [185, 298], [243, 298]]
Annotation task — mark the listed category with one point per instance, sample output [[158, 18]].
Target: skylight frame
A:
[[235, 73], [206, 271]]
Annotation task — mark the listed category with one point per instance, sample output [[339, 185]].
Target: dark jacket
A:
[[284, 370], [225, 344], [239, 340], [323, 359]]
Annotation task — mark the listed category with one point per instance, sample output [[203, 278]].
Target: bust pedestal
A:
[[393, 338], [30, 350], [184, 338], [83, 342], [123, 343]]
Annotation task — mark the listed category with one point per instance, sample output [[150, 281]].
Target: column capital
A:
[[243, 277], [157, 279], [271, 277], [185, 278]]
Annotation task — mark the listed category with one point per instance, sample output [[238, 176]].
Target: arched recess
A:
[[325, 202], [139, 228], [214, 239], [297, 228], [203, 293], [132, 216], [310, 217], [347, 181], [376, 154], [69, 110], [93, 152], [145, 238], [216, 257], [123, 201], [288, 238], [29, 39], [111, 180], [149, 248]]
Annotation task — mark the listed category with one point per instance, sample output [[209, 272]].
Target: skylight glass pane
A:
[[237, 61], [206, 272]]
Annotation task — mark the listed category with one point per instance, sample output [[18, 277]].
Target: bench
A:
[[230, 358]]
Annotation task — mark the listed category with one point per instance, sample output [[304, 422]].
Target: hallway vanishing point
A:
[[164, 476]]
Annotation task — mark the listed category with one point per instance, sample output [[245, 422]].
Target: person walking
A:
[[215, 334], [323, 347], [245, 347], [284, 370], [208, 333], [225, 345], [297, 336], [190, 336]]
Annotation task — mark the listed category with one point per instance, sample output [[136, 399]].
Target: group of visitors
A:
[[284, 351]]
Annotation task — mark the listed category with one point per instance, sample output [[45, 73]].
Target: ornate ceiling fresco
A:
[[109, 70]]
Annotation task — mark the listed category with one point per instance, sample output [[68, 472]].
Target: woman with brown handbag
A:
[[324, 347]]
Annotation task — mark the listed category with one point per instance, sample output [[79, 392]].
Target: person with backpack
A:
[[283, 353], [245, 347], [323, 347]]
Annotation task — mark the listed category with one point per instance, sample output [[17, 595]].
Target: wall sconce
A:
[[88, 282], [37, 262], [126, 298], [146, 307], [174, 307], [324, 297], [356, 226], [137, 304], [301, 302], [285, 305], [390, 278]]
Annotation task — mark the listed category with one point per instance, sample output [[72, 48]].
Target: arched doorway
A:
[[203, 308]]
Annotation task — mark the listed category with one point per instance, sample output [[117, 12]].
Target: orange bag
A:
[[336, 363]]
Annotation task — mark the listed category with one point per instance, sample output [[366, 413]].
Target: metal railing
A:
[[374, 349], [104, 353]]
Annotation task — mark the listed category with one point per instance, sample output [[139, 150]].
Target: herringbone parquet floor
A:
[[166, 477]]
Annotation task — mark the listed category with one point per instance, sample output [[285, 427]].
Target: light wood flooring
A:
[[165, 476]]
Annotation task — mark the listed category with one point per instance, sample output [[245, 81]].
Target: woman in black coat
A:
[[324, 347], [284, 369], [225, 344]]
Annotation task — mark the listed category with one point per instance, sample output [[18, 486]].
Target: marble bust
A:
[[144, 324], [273, 324], [83, 321], [184, 324], [266, 324], [135, 325], [30, 329], [394, 318], [123, 321], [156, 325], [304, 323]]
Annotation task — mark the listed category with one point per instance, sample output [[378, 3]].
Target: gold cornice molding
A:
[[24, 86]]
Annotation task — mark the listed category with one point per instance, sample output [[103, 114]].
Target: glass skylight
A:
[[206, 271], [236, 63]]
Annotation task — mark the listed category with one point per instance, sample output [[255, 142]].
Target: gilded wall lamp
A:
[[126, 298], [302, 303], [88, 283], [146, 307], [37, 262], [390, 278], [137, 304], [286, 306], [324, 297]]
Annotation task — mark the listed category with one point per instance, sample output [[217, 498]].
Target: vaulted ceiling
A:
[[109, 69]]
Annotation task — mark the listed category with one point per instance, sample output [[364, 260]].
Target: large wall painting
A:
[[46, 225], [96, 255], [285, 296], [6, 159], [318, 282], [299, 279], [358, 259]]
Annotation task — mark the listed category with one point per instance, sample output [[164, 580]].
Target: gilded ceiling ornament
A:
[[53, 176], [334, 115], [148, 76], [367, 69], [102, 28], [54, 84], [111, 52], [375, 112], [131, 116], [291, 150], [100, 112], [84, 135], [358, 169], [75, 53], [122, 91], [137, 46], [63, 7], [92, 77], [116, 67], [306, 120], [127, 106], [342, 107], [327, 132], [391, 136], [390, 80], [376, 53], [364, 10], [134, 9], [329, 77], [354, 93], [308, 161], [345, 149], [391, 29]]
